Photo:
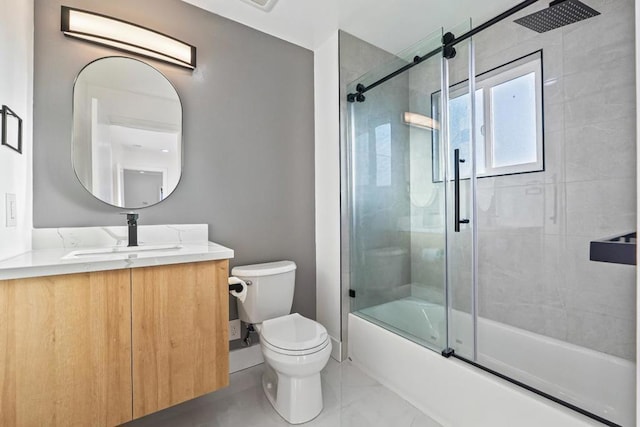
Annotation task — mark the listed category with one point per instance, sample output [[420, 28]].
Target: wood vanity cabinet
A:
[[180, 333], [65, 350], [102, 348]]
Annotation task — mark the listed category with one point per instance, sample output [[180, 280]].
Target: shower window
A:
[[509, 128], [460, 129], [383, 155], [373, 154], [362, 159]]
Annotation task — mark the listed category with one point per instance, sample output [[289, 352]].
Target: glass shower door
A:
[[476, 185], [398, 201], [541, 180], [459, 105]]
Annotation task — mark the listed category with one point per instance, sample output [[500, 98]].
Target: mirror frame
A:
[[73, 107]]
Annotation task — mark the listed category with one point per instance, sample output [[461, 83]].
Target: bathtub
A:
[[599, 383], [412, 318]]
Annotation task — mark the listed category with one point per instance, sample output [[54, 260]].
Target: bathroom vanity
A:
[[101, 339]]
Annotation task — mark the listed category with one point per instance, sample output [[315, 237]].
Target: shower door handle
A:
[[456, 189]]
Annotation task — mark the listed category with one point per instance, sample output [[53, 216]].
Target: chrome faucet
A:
[[132, 222]]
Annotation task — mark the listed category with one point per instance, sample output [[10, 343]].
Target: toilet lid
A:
[[293, 332]]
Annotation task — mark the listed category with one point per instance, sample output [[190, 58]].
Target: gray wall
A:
[[248, 135]]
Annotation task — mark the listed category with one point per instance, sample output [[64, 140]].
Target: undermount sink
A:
[[120, 250]]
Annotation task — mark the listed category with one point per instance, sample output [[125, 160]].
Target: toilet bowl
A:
[[293, 363], [295, 348]]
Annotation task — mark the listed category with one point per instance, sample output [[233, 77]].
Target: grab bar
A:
[[456, 189]]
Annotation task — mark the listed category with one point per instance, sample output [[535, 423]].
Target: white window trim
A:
[[494, 78], [533, 66]]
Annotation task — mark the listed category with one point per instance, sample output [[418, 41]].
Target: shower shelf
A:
[[618, 249]]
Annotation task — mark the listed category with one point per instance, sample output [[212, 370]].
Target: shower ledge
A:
[[617, 249]]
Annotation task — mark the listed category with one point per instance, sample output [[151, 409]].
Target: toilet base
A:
[[297, 400]]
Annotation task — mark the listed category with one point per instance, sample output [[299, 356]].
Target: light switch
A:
[[12, 210]]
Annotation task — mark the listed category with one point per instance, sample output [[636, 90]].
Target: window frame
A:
[[519, 67]]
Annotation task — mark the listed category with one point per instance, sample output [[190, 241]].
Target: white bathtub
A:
[[599, 383], [412, 318]]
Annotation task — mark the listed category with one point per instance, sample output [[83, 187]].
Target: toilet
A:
[[295, 348]]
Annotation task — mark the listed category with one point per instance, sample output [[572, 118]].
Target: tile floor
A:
[[351, 399]]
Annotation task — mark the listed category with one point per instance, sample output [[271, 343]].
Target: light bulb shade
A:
[[420, 121], [125, 36]]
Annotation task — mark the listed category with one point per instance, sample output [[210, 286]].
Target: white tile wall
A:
[[534, 268]]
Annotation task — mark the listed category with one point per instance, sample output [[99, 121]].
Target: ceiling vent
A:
[[265, 5]]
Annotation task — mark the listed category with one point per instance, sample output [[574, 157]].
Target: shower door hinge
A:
[[352, 293]]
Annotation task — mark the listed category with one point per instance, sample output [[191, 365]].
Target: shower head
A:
[[558, 14]]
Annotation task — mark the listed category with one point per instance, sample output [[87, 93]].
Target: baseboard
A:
[[244, 358], [336, 349]]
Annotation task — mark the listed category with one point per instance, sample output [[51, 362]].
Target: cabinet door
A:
[[180, 333], [65, 350]]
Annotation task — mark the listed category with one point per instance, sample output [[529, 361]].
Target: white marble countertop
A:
[[49, 262], [68, 251]]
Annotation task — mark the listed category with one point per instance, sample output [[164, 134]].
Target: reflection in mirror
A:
[[127, 132]]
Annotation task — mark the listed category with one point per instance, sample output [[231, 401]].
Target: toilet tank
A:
[[270, 293]]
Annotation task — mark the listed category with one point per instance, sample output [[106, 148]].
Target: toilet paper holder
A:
[[237, 287]]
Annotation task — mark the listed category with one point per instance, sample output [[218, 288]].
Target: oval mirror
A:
[[127, 132]]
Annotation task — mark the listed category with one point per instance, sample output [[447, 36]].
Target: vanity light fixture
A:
[[420, 121], [122, 35]]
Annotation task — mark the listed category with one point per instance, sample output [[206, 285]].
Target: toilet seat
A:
[[286, 352], [294, 335]]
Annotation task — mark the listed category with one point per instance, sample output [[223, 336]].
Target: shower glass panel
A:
[[558, 130], [397, 241], [459, 95], [494, 267]]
